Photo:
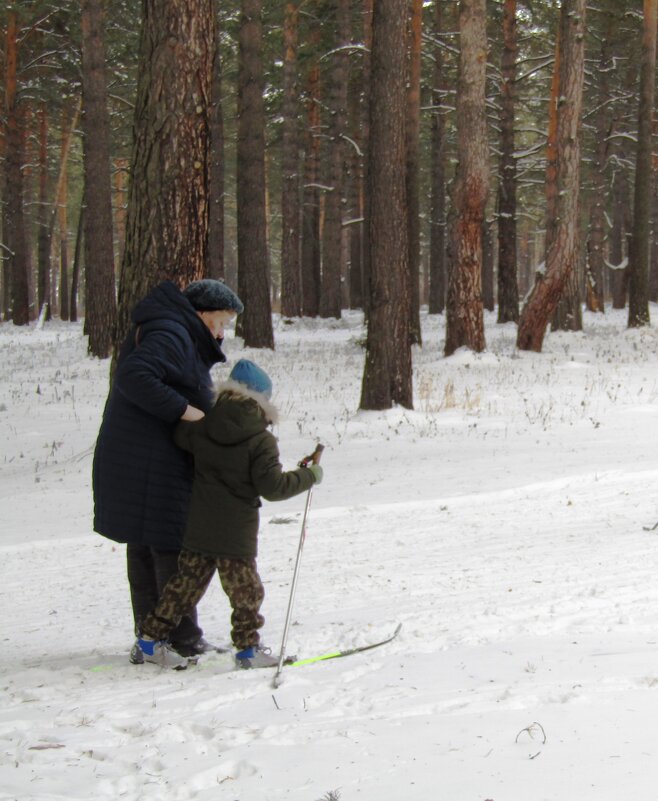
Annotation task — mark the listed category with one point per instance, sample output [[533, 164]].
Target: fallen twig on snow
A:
[[531, 730]]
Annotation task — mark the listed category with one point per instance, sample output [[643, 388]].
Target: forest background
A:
[[327, 155]]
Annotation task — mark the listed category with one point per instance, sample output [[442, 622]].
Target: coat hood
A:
[[167, 303], [238, 414]]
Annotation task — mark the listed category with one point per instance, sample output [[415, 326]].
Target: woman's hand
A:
[[192, 413]]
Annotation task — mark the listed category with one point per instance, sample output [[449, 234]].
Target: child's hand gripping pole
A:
[[314, 458]]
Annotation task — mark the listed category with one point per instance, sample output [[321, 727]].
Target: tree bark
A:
[[619, 271], [311, 196], [638, 287], [253, 261], [332, 230], [464, 321], [437, 278], [413, 165], [216, 186], [291, 286], [168, 201], [595, 297], [100, 294], [75, 271], [387, 373], [563, 251], [508, 290], [43, 237], [14, 218]]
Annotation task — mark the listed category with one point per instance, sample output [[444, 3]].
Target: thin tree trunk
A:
[[291, 286], [100, 294], [14, 218], [43, 236], [563, 251], [355, 207], [63, 225], [595, 297], [638, 288], [618, 260], [253, 263], [437, 278], [75, 272], [508, 290], [332, 230], [311, 197], [413, 165], [367, 9], [465, 321], [387, 372]]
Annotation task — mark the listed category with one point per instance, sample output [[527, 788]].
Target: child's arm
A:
[[269, 478], [183, 434]]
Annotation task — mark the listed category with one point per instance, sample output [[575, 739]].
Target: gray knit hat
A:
[[211, 295]]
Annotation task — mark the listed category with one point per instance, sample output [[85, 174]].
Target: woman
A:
[[142, 482]]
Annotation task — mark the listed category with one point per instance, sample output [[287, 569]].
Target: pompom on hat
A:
[[252, 376], [208, 294]]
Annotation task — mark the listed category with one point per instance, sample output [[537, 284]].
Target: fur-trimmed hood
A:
[[238, 414]]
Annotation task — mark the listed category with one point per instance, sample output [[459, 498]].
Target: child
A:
[[236, 460]]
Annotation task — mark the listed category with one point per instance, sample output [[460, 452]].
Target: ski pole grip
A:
[[314, 458]]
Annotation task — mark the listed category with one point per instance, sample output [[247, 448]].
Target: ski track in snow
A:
[[501, 523]]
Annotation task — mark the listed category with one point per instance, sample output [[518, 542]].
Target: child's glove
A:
[[317, 472]]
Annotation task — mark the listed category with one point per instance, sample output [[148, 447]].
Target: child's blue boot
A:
[[256, 656]]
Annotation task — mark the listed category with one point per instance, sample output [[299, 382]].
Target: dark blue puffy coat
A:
[[142, 481]]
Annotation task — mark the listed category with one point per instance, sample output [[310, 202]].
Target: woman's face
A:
[[216, 320]]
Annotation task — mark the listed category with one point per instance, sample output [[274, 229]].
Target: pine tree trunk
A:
[[14, 218], [367, 12], [168, 203], [413, 165], [563, 251], [437, 277], [43, 237], [387, 373], [100, 293], [465, 321], [253, 263], [355, 206], [508, 290], [619, 273], [596, 241], [332, 230], [638, 287], [75, 272], [311, 197], [291, 287], [216, 178], [63, 222]]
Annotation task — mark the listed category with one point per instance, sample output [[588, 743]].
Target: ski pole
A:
[[314, 458]]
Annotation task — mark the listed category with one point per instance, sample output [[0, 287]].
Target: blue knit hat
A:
[[252, 376], [209, 294]]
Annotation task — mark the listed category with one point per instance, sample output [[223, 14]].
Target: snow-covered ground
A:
[[502, 522]]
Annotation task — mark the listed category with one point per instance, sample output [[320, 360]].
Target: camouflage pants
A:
[[240, 581]]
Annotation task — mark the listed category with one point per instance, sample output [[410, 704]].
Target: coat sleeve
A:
[[145, 375], [184, 434], [269, 478]]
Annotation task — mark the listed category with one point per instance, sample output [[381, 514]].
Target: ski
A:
[[348, 652], [335, 655]]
